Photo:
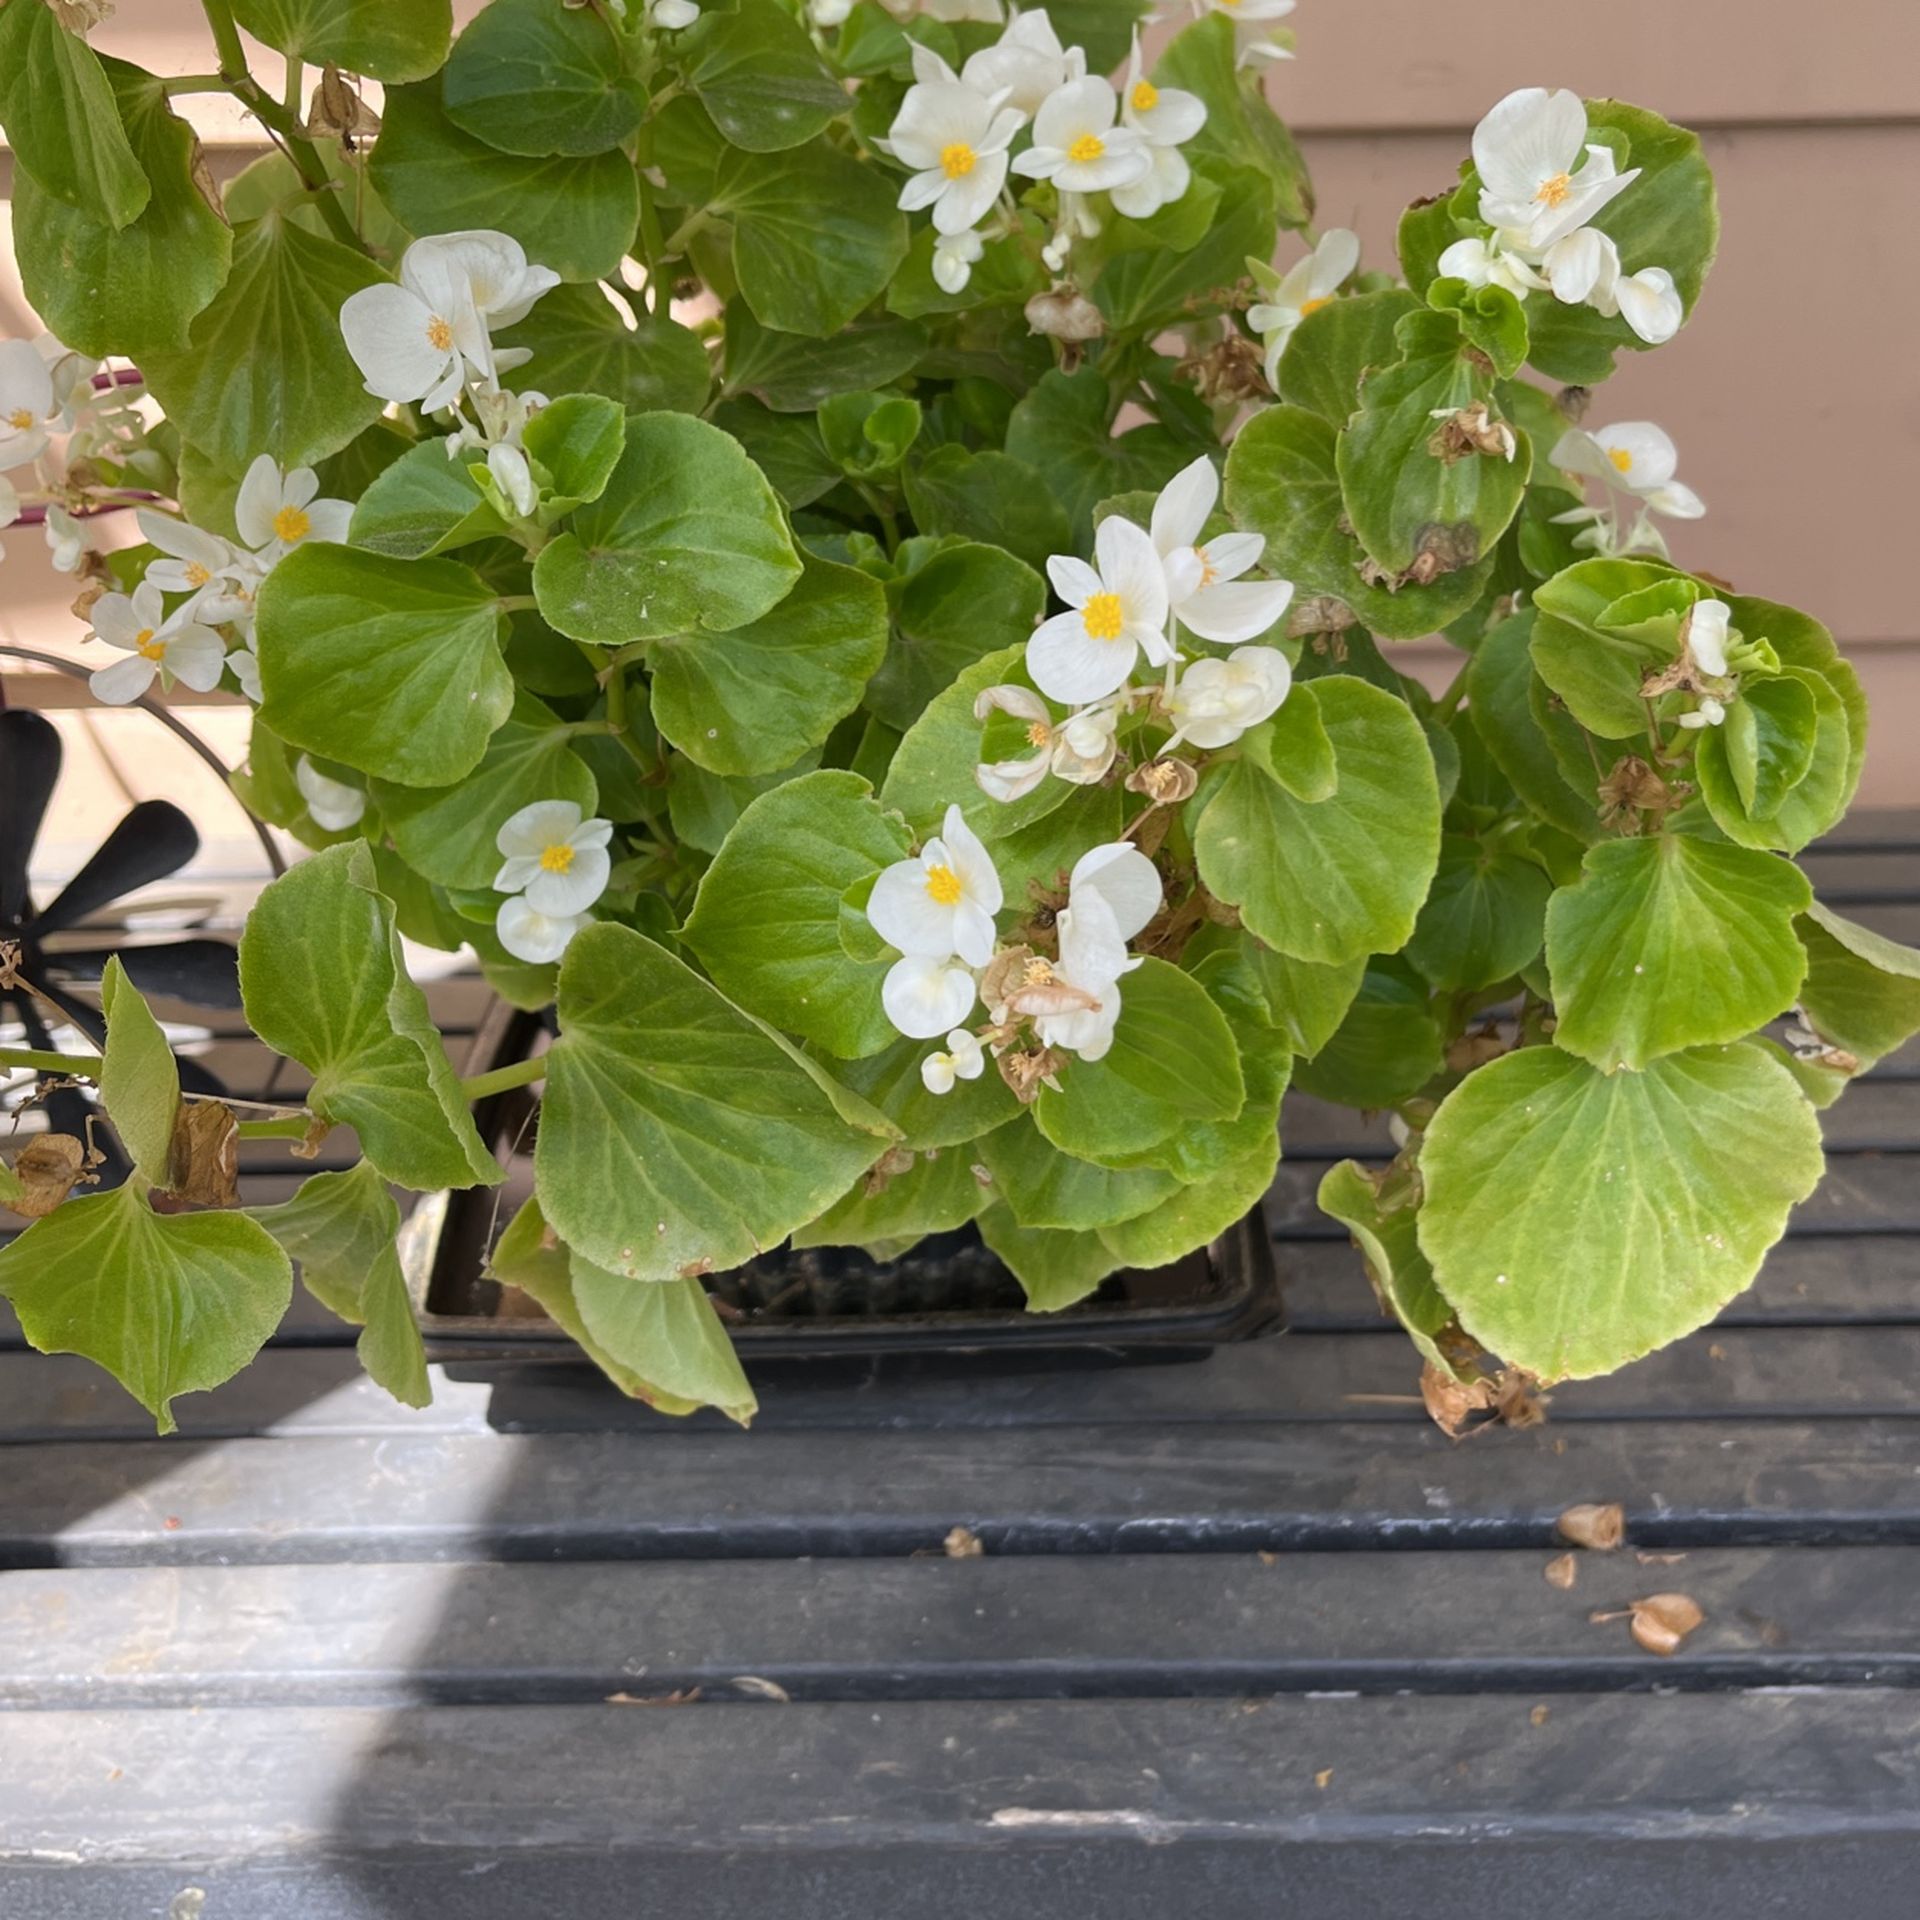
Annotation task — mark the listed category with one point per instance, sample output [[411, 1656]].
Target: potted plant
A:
[[814, 540]]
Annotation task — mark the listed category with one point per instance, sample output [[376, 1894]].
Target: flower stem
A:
[[20, 1059], [295, 1128], [520, 1073]]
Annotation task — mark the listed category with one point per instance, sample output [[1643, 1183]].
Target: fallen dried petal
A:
[[1663, 1620], [1602, 1528], [1562, 1572], [762, 1689], [962, 1543], [1538, 1717], [1322, 1778], [683, 1697]]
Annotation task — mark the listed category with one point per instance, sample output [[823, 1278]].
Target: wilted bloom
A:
[[1117, 610], [942, 901], [962, 1060], [553, 856], [1539, 179], [1165, 118], [1304, 288], [1113, 892], [154, 645], [1204, 588], [335, 806], [956, 139], [1217, 700], [1584, 268], [1079, 749], [276, 511], [1077, 146]]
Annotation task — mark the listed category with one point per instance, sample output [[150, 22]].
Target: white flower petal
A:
[[123, 682], [924, 996], [904, 912], [1067, 664], [1124, 878], [532, 936], [558, 894], [385, 329], [1236, 610], [1180, 513]]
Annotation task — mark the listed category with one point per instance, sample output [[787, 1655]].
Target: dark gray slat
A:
[[1862, 1193], [1613, 1806], [1868, 1280], [1773, 1373], [1843, 874], [1898, 920], [1872, 827], [1121, 1488], [1144, 1626]]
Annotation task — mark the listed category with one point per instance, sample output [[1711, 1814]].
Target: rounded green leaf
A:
[[1809, 808], [1333, 878], [688, 538], [384, 39], [1334, 348], [1056, 1269], [424, 503], [758, 75], [390, 666], [938, 1193], [1577, 1220], [534, 77], [581, 343], [1062, 429], [793, 374], [665, 1333], [890, 1080], [1386, 1048], [1389, 1242], [767, 920], [1669, 942], [1862, 991], [1596, 663], [1043, 1187], [577, 441], [987, 496], [1293, 747], [677, 1135], [167, 1304], [1500, 682], [1482, 920], [63, 123], [753, 699]]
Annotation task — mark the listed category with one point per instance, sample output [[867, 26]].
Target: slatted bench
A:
[[1246, 1636]]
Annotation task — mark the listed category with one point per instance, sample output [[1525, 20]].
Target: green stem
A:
[[517, 603], [193, 83], [81, 1065], [296, 1128], [1449, 702], [521, 1073]]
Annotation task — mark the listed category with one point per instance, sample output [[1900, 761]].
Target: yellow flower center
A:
[[1553, 191], [291, 524], [557, 858], [1145, 96], [1229, 3], [439, 334], [20, 419], [1038, 733], [1315, 304], [957, 160], [1208, 572], [1039, 973], [943, 886], [1088, 147], [197, 575], [147, 647], [1103, 617], [1621, 458]]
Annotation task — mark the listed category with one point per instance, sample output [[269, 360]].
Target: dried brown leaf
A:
[[1451, 1404], [1538, 1717], [1599, 1528], [1323, 1778], [203, 1161], [681, 1697]]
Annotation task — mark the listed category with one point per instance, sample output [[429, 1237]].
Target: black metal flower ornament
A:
[[40, 965]]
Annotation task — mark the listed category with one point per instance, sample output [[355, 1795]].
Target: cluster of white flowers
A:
[[1635, 461], [1306, 286], [938, 908], [1261, 16], [1540, 184], [956, 131], [1708, 635], [554, 866]]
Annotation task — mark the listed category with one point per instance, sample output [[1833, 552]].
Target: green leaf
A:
[[938, 1193], [139, 1082], [535, 78], [785, 447], [766, 923], [868, 434], [990, 497], [323, 982], [1196, 1215], [1043, 1187], [687, 538], [1670, 942], [1337, 345], [1769, 737], [757, 74], [133, 289], [1057, 1269], [891, 1081], [1811, 807], [1389, 1242], [341, 1228], [62, 120], [1063, 431], [1241, 128], [1151, 287], [1500, 678], [1482, 920], [1577, 1220], [577, 439], [383, 40], [753, 699], [962, 603], [1862, 991], [1386, 1049], [423, 504], [581, 343], [1173, 1063], [1283, 482], [576, 214], [677, 1134], [1597, 664], [1338, 877], [793, 374], [666, 1333], [1293, 747], [265, 369], [447, 834], [390, 666], [1408, 494], [703, 806], [167, 1304], [1306, 999]]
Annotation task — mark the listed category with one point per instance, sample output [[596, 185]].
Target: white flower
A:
[[1079, 750], [553, 856], [1709, 714], [1165, 118], [1246, 9], [924, 995], [828, 13], [1218, 700], [1635, 457], [1650, 303], [954, 258], [66, 541], [671, 15], [942, 901], [1707, 637], [75, 397], [950, 10], [1482, 264], [334, 805], [1117, 610], [1584, 268], [956, 140], [276, 511], [135, 623], [514, 477], [1077, 146], [533, 936], [962, 1060], [1027, 63], [26, 403], [246, 670], [422, 339], [194, 563], [1539, 180], [1204, 588], [1304, 288], [1112, 893]]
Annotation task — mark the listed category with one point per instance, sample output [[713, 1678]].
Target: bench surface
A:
[[1247, 1635]]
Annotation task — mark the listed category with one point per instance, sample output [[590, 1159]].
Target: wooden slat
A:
[[1117, 1488], [1159, 1626]]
